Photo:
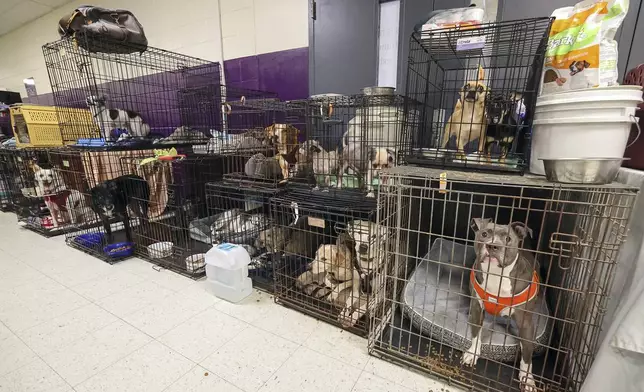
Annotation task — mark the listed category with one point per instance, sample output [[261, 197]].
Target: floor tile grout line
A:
[[38, 357]]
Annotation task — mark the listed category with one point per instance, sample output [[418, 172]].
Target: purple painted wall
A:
[[285, 72]]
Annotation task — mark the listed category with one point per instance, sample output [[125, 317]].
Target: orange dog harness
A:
[[494, 304]]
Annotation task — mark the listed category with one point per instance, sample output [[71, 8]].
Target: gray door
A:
[[343, 46], [413, 12]]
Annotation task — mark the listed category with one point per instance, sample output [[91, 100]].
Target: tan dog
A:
[[284, 138], [468, 121]]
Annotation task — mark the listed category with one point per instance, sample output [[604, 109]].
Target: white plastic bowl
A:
[[196, 262], [160, 250], [567, 138]]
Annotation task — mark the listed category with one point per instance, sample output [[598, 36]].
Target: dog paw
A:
[[348, 318], [371, 194], [469, 359], [528, 384]]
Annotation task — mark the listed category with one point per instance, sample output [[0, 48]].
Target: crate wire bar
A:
[[478, 89], [8, 175], [239, 214], [156, 94], [577, 232]]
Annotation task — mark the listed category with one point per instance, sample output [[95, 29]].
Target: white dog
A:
[[65, 205], [365, 160], [108, 119]]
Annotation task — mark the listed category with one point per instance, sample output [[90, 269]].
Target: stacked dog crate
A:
[[135, 183], [327, 238], [259, 146], [505, 277]]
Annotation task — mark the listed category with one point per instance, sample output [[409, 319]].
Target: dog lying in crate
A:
[[341, 273]]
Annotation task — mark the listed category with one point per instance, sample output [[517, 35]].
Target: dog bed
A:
[[436, 300]]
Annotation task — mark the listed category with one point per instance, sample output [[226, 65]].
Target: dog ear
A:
[[586, 64], [34, 166], [478, 223], [270, 130], [315, 148], [391, 155], [481, 73], [521, 229]]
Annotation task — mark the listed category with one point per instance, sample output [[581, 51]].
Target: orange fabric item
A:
[[494, 304]]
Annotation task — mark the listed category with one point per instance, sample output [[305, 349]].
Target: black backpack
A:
[[104, 30]]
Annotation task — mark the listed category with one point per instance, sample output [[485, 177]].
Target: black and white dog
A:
[[109, 119], [111, 199]]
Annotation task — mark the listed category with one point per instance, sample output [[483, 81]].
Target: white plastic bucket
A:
[[602, 109], [624, 93], [578, 138]]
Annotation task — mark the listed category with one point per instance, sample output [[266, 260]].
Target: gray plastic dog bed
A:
[[436, 299]]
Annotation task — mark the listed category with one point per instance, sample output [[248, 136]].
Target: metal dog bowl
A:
[[596, 171]]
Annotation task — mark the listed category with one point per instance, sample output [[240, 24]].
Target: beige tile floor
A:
[[69, 322]]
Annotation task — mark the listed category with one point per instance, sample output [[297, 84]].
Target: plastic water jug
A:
[[227, 272]]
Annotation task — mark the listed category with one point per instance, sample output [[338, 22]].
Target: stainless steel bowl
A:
[[594, 171]]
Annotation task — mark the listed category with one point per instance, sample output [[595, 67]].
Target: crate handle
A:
[[565, 244]]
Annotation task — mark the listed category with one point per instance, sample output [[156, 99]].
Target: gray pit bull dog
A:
[[504, 283]]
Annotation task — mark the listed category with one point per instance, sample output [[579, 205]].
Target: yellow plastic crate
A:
[[48, 126]]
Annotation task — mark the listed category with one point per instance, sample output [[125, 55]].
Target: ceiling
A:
[[15, 13]]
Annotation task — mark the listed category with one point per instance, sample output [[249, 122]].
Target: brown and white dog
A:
[[504, 282], [468, 120], [284, 138], [65, 205]]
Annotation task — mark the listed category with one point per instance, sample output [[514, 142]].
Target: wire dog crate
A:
[[177, 205], [36, 182], [327, 254], [240, 214], [134, 97], [262, 136], [530, 261], [122, 197], [352, 138], [478, 89], [8, 175]]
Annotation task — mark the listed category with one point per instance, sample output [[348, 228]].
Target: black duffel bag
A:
[[104, 30]]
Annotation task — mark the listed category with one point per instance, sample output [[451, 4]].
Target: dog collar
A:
[[494, 304]]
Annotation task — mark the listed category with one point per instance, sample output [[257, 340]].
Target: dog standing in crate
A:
[[112, 199], [65, 205], [109, 119], [504, 282]]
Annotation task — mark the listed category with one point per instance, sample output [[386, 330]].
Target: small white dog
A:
[[108, 119], [367, 162], [65, 205]]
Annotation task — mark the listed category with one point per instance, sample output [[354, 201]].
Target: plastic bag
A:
[[581, 50], [456, 18]]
